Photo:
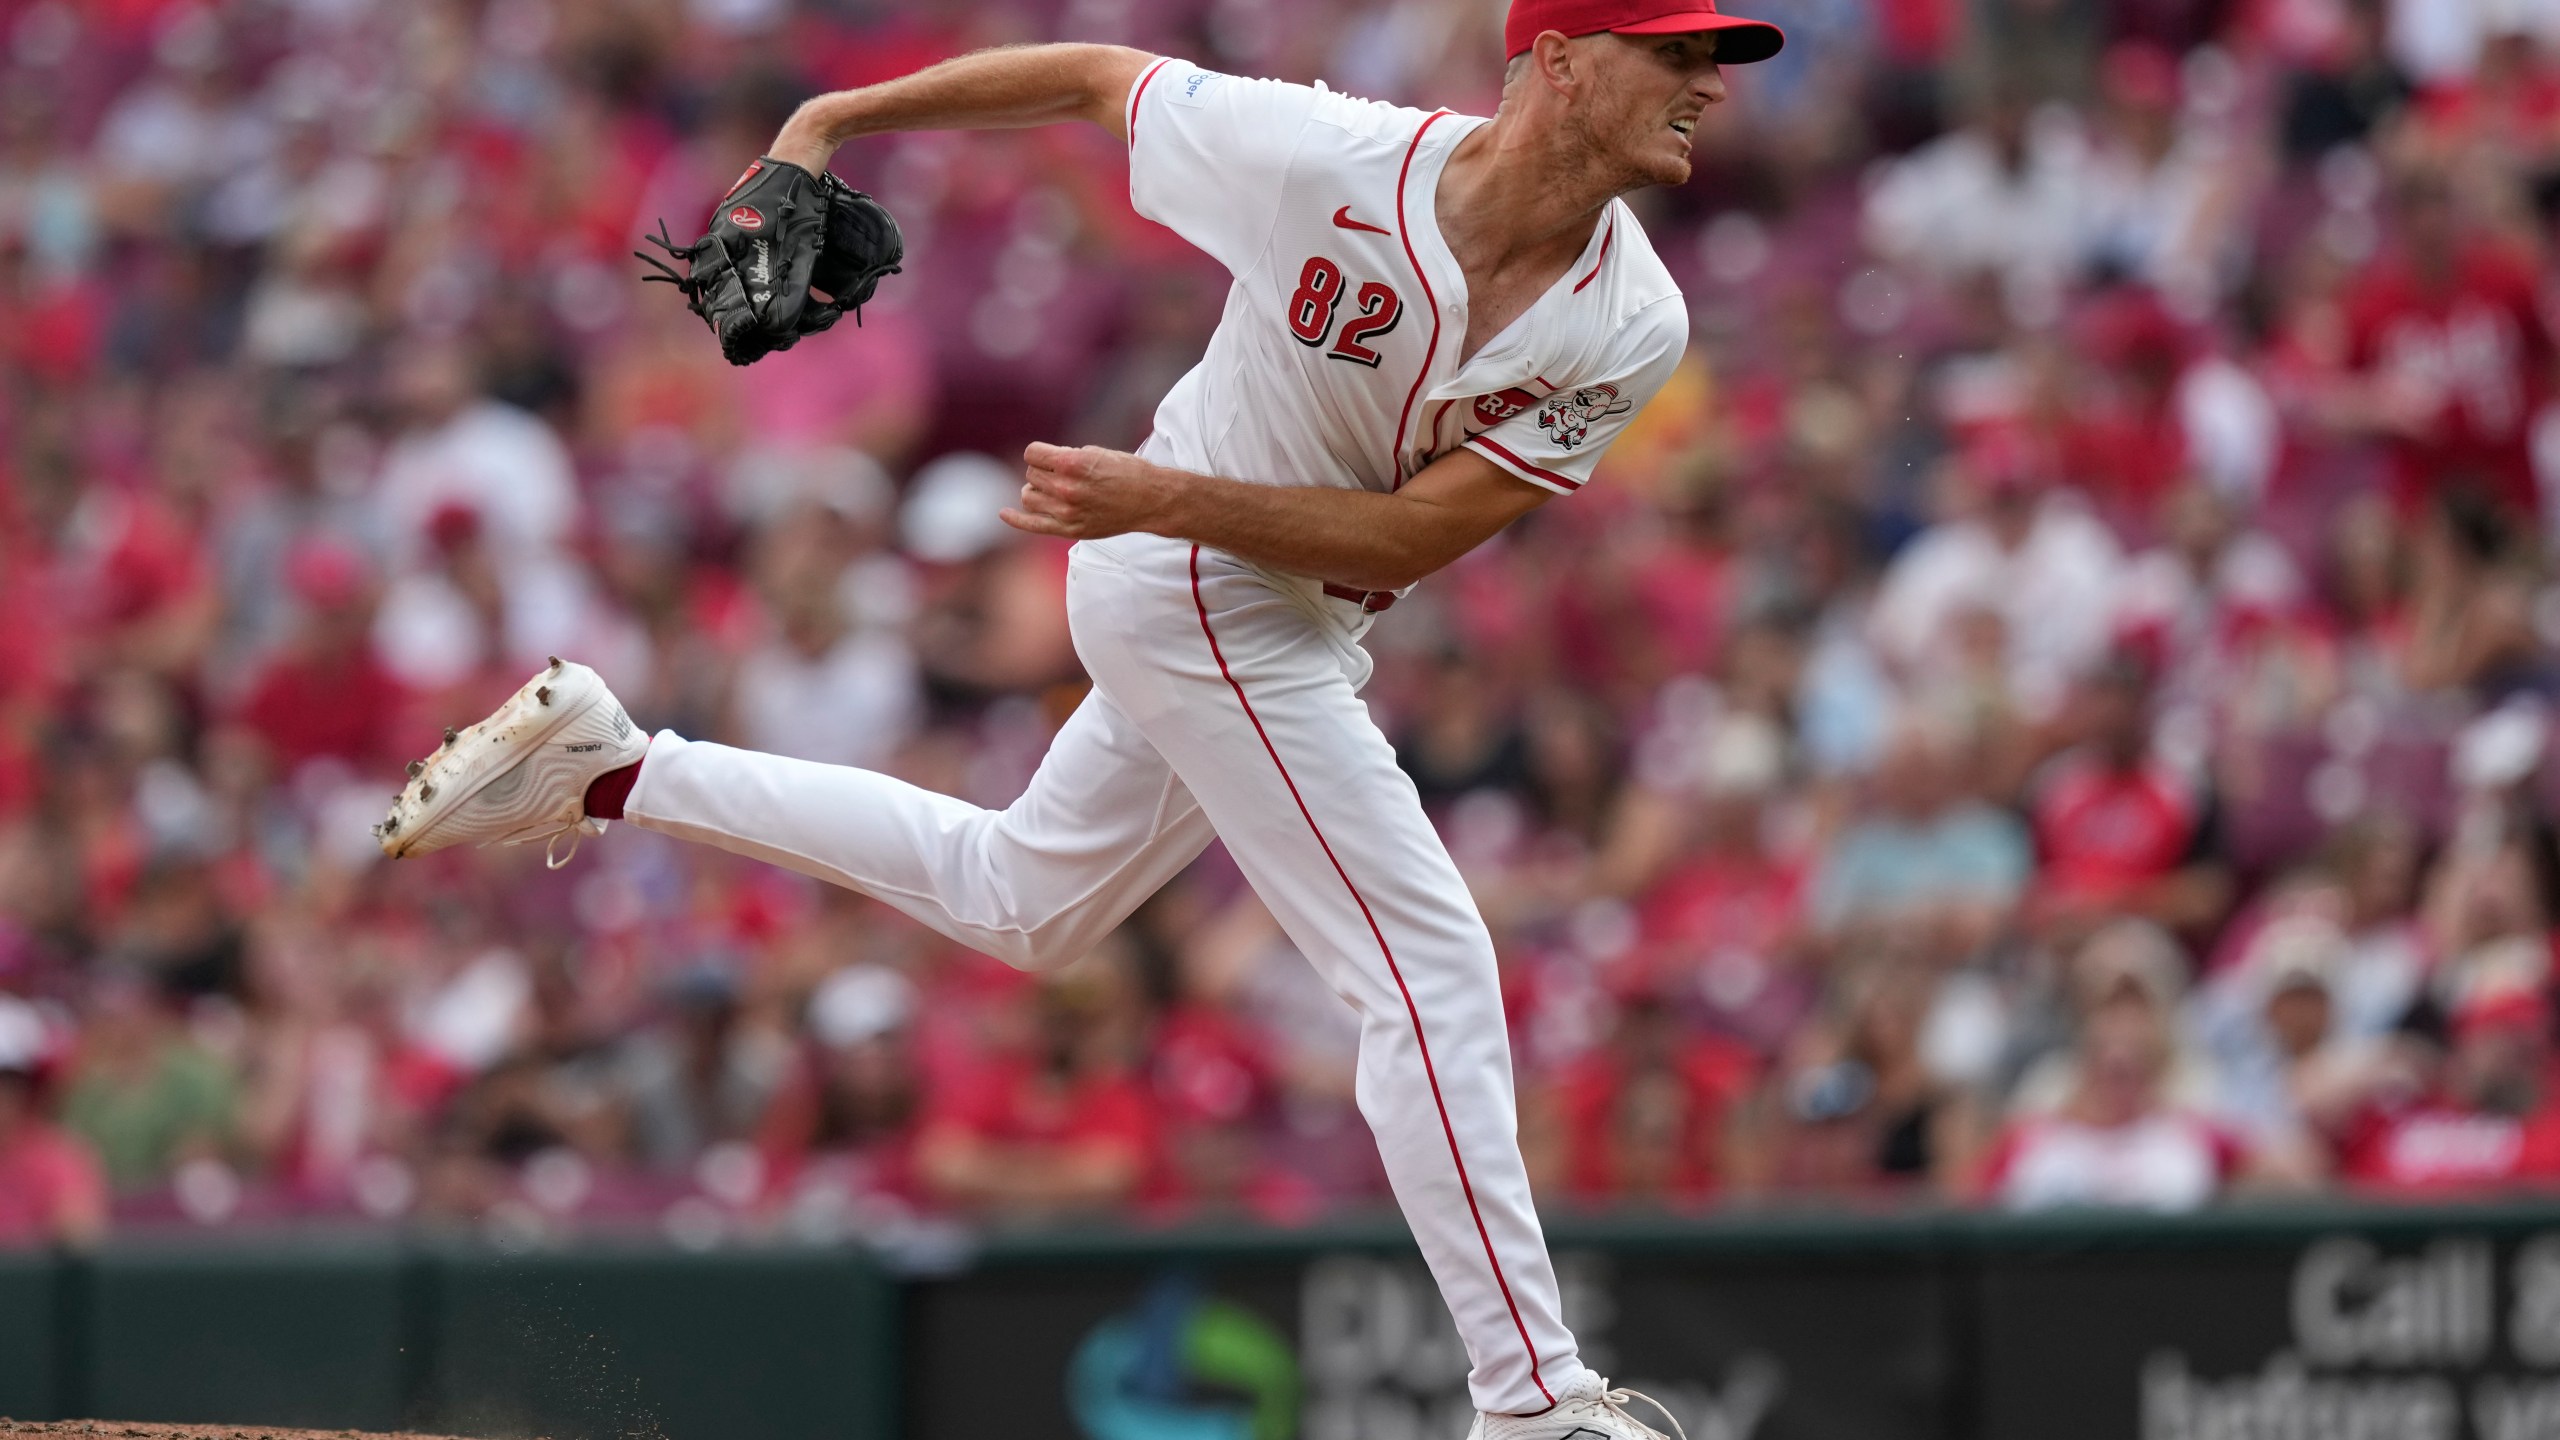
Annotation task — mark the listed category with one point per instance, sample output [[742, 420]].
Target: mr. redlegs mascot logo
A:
[[1567, 417]]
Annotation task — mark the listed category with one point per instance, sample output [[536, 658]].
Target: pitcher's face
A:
[[1641, 110]]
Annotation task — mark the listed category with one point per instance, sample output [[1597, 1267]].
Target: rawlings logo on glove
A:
[[787, 254]]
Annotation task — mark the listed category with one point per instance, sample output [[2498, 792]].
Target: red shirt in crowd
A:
[[1215, 1087], [2433, 1147], [2104, 831], [1718, 929], [1209, 1069], [1014, 1102], [2477, 348], [2517, 114], [344, 706], [1658, 1133], [46, 1179], [1724, 901]]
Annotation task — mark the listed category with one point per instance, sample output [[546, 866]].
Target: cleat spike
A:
[[415, 766], [555, 664], [449, 734], [542, 696], [426, 792]]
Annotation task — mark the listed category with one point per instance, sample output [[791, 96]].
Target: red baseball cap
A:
[[1740, 43]]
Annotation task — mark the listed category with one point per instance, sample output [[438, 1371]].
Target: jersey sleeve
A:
[[1208, 154], [1556, 442]]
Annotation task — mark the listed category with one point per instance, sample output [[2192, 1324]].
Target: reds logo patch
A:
[[746, 217], [1567, 417], [1501, 405], [749, 174]]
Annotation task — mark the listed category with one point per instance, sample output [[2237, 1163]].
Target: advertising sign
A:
[[2446, 1336], [1355, 1345]]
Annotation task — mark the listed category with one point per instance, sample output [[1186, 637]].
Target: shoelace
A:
[[1616, 1398], [576, 834], [577, 830]]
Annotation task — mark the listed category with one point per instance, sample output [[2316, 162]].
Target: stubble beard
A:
[[1623, 168]]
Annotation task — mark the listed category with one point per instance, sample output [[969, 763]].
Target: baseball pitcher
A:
[[1438, 323]]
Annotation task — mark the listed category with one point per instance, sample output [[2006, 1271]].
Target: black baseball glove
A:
[[778, 235]]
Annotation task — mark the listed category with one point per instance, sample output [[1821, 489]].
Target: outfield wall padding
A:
[[2238, 1324]]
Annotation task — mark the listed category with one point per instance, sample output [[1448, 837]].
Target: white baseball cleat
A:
[[519, 776], [1587, 1410]]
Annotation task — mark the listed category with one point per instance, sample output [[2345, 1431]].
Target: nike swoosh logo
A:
[[1342, 217]]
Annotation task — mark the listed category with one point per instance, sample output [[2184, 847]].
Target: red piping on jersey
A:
[[1140, 93], [1395, 452], [1412, 1013], [1566, 481], [1603, 257]]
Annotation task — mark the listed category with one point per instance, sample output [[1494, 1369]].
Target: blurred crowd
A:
[[2049, 707]]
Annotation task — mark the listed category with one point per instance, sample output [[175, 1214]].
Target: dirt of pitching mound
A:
[[119, 1428]]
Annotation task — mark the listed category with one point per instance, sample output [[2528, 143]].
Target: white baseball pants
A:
[[1225, 701]]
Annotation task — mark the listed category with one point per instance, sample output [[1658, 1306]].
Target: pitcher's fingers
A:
[[1041, 455], [1037, 524]]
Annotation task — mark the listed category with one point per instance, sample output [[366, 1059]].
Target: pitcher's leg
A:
[[1104, 824], [1306, 794]]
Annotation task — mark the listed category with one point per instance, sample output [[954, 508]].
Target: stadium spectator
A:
[[1923, 858], [2018, 549], [2223, 606], [835, 681], [2129, 964], [1649, 1114], [2477, 1112], [2118, 831], [1855, 1106], [1719, 903], [2349, 87], [2471, 590], [2287, 1072], [2448, 353], [2002, 199], [842, 1129], [325, 691], [1217, 1091], [2161, 177], [708, 1073], [2377, 859], [1057, 1126], [330, 1093], [51, 1190], [992, 615], [2120, 1135], [140, 1090], [1463, 739]]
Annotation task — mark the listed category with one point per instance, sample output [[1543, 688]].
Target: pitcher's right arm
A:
[[1002, 89]]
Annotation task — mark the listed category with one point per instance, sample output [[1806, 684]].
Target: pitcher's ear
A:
[[1553, 58]]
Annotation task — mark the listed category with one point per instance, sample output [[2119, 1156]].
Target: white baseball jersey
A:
[[1337, 360], [1217, 712]]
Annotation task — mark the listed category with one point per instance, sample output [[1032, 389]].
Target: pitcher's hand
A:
[[1089, 493]]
